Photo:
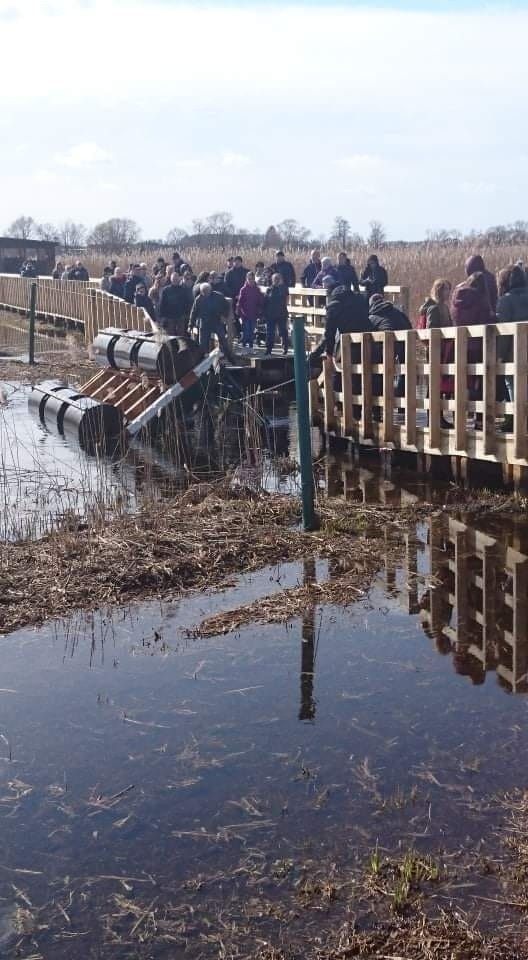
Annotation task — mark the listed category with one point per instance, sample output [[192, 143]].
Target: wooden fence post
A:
[[388, 386], [434, 388], [366, 384], [461, 388], [411, 340], [489, 360], [520, 361]]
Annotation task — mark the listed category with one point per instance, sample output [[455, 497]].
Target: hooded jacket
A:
[[346, 312], [475, 264], [468, 306], [386, 316]]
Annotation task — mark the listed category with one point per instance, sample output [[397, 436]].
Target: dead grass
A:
[[194, 541]]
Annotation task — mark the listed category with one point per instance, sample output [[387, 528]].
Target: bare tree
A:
[[72, 234], [220, 225], [115, 234], [46, 231], [271, 238], [341, 232], [292, 232], [23, 227], [176, 235], [377, 235]]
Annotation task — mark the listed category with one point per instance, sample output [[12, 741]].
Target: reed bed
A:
[[415, 265]]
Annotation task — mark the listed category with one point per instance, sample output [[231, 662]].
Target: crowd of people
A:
[[180, 302]]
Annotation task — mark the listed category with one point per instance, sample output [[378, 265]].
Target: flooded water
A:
[[45, 477], [163, 796]]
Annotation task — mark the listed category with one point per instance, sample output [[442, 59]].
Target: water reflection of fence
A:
[[464, 372]]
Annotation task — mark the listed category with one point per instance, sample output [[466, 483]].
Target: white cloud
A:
[[479, 188], [361, 163], [237, 160], [82, 156]]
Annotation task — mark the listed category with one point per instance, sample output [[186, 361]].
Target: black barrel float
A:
[[169, 358], [63, 408]]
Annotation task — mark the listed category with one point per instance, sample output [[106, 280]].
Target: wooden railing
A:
[[75, 301], [376, 399], [311, 304]]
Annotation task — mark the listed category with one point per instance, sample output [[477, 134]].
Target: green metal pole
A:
[[303, 424], [32, 312]]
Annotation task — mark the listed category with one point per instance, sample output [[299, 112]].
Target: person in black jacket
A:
[[285, 268], [78, 272], [276, 313], [142, 299], [210, 310], [28, 269], [234, 280], [135, 276], [347, 273], [374, 277], [311, 269], [346, 312], [384, 315], [174, 307], [117, 284]]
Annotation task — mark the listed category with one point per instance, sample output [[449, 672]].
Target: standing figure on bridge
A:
[[346, 312], [276, 313], [347, 273], [285, 268], [210, 311], [311, 269], [374, 277], [174, 307], [250, 306], [475, 264]]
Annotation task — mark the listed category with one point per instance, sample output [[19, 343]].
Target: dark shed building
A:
[[14, 251]]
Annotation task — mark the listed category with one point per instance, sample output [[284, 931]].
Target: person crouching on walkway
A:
[[210, 310], [276, 313], [250, 305]]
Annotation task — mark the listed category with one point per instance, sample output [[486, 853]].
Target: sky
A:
[[405, 112]]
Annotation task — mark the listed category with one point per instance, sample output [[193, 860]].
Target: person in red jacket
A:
[[470, 302], [250, 305]]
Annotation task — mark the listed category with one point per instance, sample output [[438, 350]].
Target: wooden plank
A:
[[328, 394], [434, 388], [388, 386], [489, 356], [366, 383], [410, 387], [520, 360], [346, 377], [461, 388]]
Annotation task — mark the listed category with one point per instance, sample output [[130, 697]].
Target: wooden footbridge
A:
[[444, 397]]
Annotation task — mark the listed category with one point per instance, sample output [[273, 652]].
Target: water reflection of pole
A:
[[308, 649]]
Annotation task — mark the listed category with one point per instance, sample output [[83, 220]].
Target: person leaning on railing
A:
[[512, 307], [385, 315]]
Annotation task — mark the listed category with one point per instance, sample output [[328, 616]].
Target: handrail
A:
[[398, 389]]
